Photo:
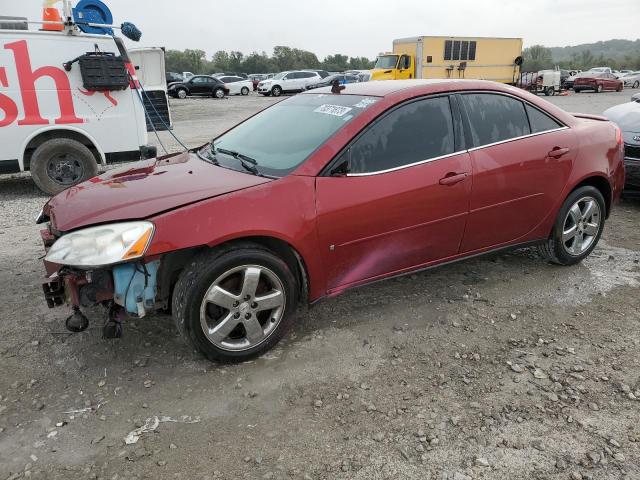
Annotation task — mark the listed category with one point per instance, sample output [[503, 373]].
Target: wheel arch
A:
[[38, 137], [603, 185], [174, 262]]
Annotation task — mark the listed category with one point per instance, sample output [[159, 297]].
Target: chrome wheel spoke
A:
[[591, 229], [576, 213], [254, 330], [250, 282], [222, 330], [589, 208], [569, 233], [222, 298], [270, 301]]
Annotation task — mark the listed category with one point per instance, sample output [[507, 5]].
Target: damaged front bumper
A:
[[132, 285]]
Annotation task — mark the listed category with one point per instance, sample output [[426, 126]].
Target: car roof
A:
[[383, 88]]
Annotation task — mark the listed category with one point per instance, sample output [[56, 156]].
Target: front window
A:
[[283, 136], [387, 61]]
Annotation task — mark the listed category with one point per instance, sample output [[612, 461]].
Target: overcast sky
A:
[[360, 27]]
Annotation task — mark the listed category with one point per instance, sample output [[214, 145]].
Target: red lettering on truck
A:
[[6, 104], [27, 78]]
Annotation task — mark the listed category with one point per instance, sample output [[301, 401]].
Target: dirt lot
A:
[[500, 367]]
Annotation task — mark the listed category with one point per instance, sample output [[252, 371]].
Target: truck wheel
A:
[[549, 91], [235, 303], [61, 163]]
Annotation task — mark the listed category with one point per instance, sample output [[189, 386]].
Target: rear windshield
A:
[[283, 136]]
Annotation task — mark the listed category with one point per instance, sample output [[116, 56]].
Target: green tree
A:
[[536, 58], [336, 63]]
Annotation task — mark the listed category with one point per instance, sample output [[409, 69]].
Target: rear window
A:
[[495, 118], [540, 122]]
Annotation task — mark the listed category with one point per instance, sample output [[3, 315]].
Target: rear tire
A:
[[244, 91], [564, 249], [577, 90], [636, 84], [218, 93], [549, 91], [222, 276], [598, 88], [60, 163]]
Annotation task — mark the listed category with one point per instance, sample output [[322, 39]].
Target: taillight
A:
[[134, 84]]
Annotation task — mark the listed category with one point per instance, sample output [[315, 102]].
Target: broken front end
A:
[[102, 265]]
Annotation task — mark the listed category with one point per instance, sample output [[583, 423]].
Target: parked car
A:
[[631, 79], [231, 74], [199, 85], [322, 73], [173, 77], [288, 82], [635, 97], [238, 85], [256, 78], [568, 83], [627, 117], [621, 73], [342, 78], [324, 192], [597, 82], [600, 70]]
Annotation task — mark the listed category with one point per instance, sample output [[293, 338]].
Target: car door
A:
[[307, 78], [290, 81], [198, 85], [405, 198], [521, 158]]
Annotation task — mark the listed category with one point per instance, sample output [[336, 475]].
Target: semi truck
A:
[[497, 59]]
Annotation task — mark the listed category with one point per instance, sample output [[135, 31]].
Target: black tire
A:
[[598, 88], [276, 91], [636, 84], [182, 93], [244, 91], [577, 90], [60, 163], [554, 249], [202, 272], [218, 93], [267, 94], [549, 91]]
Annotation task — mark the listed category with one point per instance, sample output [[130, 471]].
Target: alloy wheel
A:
[[182, 94], [242, 307], [581, 226]]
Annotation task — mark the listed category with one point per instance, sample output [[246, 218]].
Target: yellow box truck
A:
[[496, 59]]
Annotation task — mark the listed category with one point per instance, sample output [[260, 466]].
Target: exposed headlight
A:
[[103, 245]]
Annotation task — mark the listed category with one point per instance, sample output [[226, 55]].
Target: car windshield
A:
[[283, 136], [387, 61], [278, 76]]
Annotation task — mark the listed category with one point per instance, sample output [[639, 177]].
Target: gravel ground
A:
[[500, 367]]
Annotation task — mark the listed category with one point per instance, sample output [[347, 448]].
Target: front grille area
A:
[[632, 151]]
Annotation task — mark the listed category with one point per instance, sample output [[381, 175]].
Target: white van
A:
[[49, 124]]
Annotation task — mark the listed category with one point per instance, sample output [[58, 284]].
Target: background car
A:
[[237, 85], [198, 85], [288, 82], [256, 78], [230, 74], [631, 79], [173, 77], [343, 79], [627, 117], [597, 82]]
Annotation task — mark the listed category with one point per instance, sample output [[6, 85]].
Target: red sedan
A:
[[324, 192], [598, 82]]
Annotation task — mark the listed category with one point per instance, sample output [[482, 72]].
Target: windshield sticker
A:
[[365, 102], [335, 110]]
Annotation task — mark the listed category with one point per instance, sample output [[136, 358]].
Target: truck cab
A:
[[394, 66]]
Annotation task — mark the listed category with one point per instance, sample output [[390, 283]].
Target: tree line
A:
[[539, 57], [283, 58]]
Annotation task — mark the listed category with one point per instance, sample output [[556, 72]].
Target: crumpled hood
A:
[[143, 189]]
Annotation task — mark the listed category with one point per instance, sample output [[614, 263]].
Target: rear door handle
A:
[[452, 178], [557, 152]]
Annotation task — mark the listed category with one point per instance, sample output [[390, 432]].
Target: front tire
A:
[[598, 88], [276, 91], [235, 303], [182, 94], [60, 163], [549, 91], [578, 227], [577, 90], [636, 84]]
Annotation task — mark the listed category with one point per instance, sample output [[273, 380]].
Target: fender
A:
[[60, 128]]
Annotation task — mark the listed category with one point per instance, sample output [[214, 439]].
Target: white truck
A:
[[50, 125]]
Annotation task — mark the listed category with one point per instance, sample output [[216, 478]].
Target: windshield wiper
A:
[[247, 162], [209, 157]]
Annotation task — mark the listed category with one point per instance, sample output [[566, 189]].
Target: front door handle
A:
[[452, 178], [557, 152]]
